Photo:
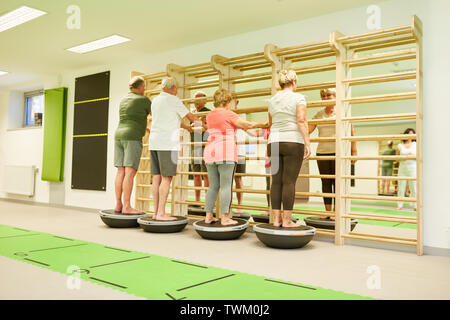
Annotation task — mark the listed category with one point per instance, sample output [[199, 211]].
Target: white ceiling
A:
[[38, 47]]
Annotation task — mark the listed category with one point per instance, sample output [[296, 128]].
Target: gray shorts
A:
[[164, 163], [127, 153]]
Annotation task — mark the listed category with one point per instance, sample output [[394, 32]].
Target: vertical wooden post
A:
[[343, 109], [418, 32], [225, 72]]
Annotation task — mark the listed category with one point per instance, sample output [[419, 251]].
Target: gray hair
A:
[[286, 77], [200, 92], [135, 82], [169, 83]]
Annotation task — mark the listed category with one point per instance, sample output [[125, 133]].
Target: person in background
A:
[[328, 149], [133, 111], [288, 145], [407, 168], [241, 165], [164, 143], [387, 167], [198, 136], [221, 154]]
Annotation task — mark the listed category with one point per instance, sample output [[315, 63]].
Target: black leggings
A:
[[286, 160], [327, 167]]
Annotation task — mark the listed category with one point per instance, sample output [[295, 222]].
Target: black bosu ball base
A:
[[216, 231], [196, 211], [328, 224], [118, 220], [156, 226], [284, 238]]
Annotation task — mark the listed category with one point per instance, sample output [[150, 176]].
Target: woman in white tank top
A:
[[407, 168]]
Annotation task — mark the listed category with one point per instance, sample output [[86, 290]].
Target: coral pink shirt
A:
[[221, 145]]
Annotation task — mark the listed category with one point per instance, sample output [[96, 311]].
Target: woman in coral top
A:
[[221, 154]]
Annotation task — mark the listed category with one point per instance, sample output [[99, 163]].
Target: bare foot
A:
[[130, 211], [164, 217], [289, 224], [228, 222], [277, 220], [210, 218], [323, 217], [118, 207]]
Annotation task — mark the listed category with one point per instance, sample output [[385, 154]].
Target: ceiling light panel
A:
[[18, 17], [99, 44]]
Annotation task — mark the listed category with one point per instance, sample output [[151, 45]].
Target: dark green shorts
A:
[[127, 153], [196, 167], [386, 171], [241, 166], [197, 164]]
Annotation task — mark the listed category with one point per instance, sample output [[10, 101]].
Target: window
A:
[[34, 108]]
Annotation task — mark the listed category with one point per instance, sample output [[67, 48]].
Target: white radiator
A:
[[19, 180]]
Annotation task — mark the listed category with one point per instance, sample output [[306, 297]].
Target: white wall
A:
[[394, 13], [15, 109], [22, 146]]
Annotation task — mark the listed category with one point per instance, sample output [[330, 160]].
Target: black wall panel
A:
[[92, 117], [94, 86], [90, 132], [89, 155]]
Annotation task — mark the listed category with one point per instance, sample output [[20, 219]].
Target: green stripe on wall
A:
[[54, 134]]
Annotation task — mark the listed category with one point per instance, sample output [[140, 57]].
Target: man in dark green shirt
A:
[[134, 110], [197, 151]]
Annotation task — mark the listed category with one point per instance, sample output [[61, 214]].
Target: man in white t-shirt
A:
[[164, 143]]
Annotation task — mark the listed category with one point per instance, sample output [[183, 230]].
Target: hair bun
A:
[[286, 77]]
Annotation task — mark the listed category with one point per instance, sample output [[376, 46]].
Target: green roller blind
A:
[[54, 134]]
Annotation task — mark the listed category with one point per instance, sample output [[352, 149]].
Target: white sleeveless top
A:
[[283, 110], [411, 151]]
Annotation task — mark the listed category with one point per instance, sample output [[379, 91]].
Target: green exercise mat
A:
[[150, 276]]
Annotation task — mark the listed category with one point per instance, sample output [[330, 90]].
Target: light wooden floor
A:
[[403, 275]]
